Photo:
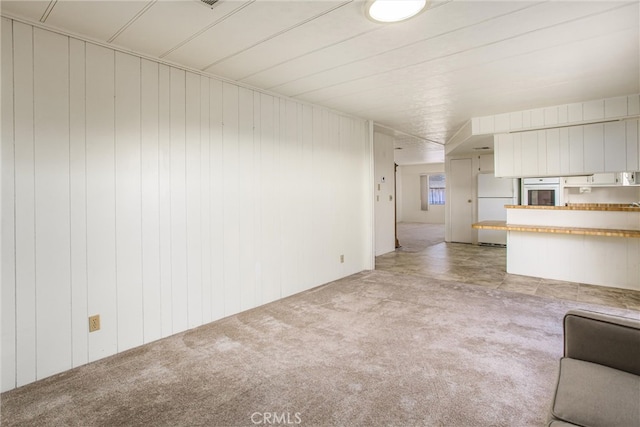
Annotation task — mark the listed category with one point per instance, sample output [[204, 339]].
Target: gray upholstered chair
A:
[[599, 380]]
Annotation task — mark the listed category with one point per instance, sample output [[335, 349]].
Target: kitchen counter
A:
[[597, 244], [583, 207], [584, 231]]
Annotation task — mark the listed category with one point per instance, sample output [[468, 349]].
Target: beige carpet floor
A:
[[415, 237], [377, 348]]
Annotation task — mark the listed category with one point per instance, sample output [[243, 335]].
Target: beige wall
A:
[[409, 197]]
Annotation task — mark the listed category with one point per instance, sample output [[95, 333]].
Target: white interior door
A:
[[461, 182]]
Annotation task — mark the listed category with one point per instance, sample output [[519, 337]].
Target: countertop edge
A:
[[607, 232], [578, 208]]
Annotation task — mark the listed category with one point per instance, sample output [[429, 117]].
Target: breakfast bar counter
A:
[[593, 244], [607, 207], [610, 232]]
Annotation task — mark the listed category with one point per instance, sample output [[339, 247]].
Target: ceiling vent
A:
[[209, 3]]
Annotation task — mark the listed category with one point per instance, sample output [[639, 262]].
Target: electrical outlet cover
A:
[[94, 323]]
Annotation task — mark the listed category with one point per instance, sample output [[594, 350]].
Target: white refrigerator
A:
[[493, 194]]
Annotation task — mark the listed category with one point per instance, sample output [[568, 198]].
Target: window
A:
[[432, 188]]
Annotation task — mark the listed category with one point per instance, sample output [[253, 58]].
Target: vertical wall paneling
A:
[[8, 278], [246, 204], [320, 195], [216, 220], [231, 252], [158, 199], [193, 203], [205, 190], [329, 260], [368, 221], [53, 245], [289, 195], [164, 198], [101, 204], [128, 202], [352, 194], [276, 195], [178, 202], [335, 178], [257, 179], [24, 204], [150, 200], [366, 133], [283, 186], [78, 203], [302, 201], [270, 278], [346, 197], [309, 203], [360, 156]]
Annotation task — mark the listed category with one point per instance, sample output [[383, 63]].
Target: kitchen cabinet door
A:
[[516, 141], [615, 147], [594, 148], [529, 153], [508, 156], [542, 153], [553, 151], [564, 151], [576, 149], [633, 145], [503, 155]]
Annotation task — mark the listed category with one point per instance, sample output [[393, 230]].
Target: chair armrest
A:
[[604, 339]]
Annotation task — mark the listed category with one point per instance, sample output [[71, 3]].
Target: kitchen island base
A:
[[595, 260], [591, 244]]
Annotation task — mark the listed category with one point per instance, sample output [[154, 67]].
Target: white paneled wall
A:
[[159, 199]]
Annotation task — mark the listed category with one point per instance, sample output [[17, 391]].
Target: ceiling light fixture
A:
[[393, 10]]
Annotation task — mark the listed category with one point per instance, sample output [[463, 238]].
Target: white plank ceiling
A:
[[423, 78]]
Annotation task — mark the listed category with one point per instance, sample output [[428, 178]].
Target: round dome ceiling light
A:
[[393, 10]]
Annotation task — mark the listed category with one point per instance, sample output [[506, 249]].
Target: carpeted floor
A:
[[376, 348], [415, 237]]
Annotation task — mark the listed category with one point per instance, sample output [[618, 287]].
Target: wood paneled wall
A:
[[159, 199]]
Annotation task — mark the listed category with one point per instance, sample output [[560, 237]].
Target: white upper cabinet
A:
[[594, 147], [580, 113], [553, 151], [529, 154], [584, 138], [503, 154], [576, 150], [632, 145], [615, 155]]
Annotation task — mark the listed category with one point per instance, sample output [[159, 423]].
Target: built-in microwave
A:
[[541, 192]]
